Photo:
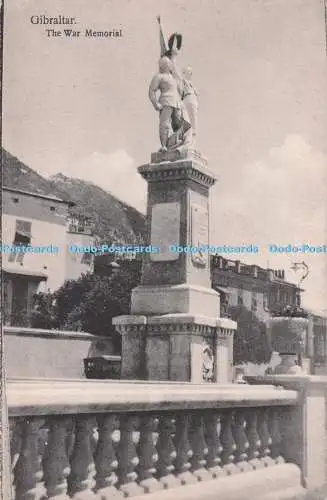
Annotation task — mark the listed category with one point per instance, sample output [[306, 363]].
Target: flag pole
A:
[[162, 37]]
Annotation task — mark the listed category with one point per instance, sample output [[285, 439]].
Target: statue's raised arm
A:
[[169, 47]]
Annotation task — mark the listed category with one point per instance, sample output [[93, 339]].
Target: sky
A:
[[80, 106]]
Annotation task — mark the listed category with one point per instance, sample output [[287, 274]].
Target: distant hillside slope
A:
[[115, 221], [17, 175]]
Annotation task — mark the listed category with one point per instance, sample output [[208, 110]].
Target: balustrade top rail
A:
[[46, 333], [59, 397]]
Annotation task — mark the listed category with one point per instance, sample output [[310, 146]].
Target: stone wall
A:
[[40, 353]]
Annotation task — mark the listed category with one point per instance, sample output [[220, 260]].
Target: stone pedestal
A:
[[288, 365], [174, 331], [303, 426], [290, 338]]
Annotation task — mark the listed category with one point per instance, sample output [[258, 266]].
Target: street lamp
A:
[[296, 266]]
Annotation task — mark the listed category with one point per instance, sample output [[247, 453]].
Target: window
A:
[[240, 300], [15, 200], [86, 258], [22, 238], [222, 281], [265, 301], [278, 295], [298, 299], [224, 304], [286, 298], [254, 302], [52, 209]]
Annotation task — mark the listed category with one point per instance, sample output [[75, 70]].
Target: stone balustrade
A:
[[113, 439]]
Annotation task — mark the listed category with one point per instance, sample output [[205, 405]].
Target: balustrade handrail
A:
[[103, 439], [46, 332], [31, 398]]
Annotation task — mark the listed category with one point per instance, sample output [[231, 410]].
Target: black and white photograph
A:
[[164, 250]]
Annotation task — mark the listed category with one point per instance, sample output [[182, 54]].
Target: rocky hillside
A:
[[114, 221]]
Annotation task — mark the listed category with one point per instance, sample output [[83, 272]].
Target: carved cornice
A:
[[181, 328], [225, 332], [128, 329], [175, 328], [187, 169]]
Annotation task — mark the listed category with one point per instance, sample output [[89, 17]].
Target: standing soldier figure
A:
[[173, 122]]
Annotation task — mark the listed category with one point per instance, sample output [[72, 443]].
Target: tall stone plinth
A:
[[174, 331]]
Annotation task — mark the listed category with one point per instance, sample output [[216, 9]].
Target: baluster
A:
[[241, 442], [166, 453], [276, 437], [200, 449], [106, 460], [263, 431], [28, 472], [127, 457], [228, 443], [16, 441], [81, 480], [148, 455], [94, 440], [214, 445], [56, 461], [183, 450], [251, 417], [70, 440]]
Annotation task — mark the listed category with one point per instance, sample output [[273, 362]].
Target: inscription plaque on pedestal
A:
[[165, 230], [200, 234]]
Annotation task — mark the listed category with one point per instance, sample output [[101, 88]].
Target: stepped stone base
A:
[[178, 154]]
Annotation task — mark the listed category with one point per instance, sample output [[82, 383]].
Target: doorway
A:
[[19, 312]]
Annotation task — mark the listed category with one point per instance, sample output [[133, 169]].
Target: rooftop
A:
[[254, 271], [38, 195], [21, 179]]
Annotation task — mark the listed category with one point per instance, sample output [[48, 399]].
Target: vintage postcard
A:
[[163, 249]]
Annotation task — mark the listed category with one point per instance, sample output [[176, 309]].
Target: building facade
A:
[[79, 234], [262, 291], [37, 220], [319, 327], [265, 292]]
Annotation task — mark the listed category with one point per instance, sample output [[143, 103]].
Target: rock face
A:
[[114, 221]]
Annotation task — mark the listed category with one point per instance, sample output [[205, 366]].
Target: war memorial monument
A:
[[174, 331]]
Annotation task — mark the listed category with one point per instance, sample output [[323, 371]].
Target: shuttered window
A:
[[22, 238]]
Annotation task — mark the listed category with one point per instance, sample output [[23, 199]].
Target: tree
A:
[[251, 343], [89, 303], [42, 315]]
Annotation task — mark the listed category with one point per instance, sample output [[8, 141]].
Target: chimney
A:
[[270, 273]]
